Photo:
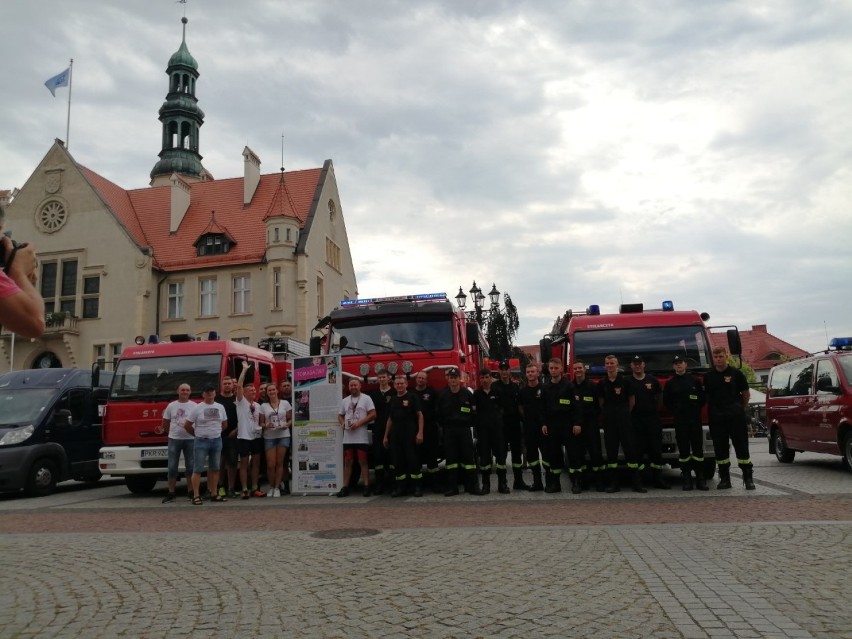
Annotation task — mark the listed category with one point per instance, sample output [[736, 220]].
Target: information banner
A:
[[317, 439]]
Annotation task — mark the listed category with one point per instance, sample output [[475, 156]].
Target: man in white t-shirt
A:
[[250, 423], [207, 421], [180, 441], [356, 412]]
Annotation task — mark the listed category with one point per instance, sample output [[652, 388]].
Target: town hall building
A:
[[240, 258]]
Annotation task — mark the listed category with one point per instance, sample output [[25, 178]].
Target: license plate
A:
[[156, 452]]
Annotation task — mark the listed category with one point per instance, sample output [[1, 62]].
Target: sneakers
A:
[[257, 492], [245, 494], [343, 492], [222, 491], [274, 493], [169, 497]]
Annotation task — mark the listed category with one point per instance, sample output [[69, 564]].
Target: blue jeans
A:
[[208, 454], [176, 447]]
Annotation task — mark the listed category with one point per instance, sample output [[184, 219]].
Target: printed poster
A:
[[317, 439]]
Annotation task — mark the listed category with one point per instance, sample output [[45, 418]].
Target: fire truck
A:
[[403, 335], [145, 380], [655, 334]]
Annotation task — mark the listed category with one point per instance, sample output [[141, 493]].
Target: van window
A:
[[827, 380], [74, 401], [791, 379]]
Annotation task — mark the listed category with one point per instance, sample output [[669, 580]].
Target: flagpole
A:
[[68, 121]]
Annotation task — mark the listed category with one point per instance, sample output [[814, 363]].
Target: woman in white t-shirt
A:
[[278, 417]]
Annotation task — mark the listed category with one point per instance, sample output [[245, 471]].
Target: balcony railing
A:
[[56, 324]]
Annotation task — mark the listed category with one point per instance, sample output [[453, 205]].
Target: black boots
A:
[[536, 485], [700, 482], [452, 483], [418, 487], [502, 484], [486, 483], [519, 483], [748, 477], [576, 485], [636, 482], [657, 480], [613, 481], [724, 477], [553, 483], [686, 475]]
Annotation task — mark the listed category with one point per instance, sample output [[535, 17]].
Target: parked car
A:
[[50, 428], [809, 404]]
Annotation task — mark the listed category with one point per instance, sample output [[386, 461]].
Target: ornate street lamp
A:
[[461, 299], [494, 296]]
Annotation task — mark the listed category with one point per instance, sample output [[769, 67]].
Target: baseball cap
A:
[[677, 358], [452, 372], [504, 364], [207, 388], [637, 359], [485, 371]]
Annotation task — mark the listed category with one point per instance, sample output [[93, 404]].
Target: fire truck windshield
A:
[[656, 344], [157, 378], [394, 334]]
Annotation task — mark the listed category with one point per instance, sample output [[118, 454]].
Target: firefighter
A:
[[648, 394], [615, 396], [531, 405], [727, 398], [455, 413], [588, 410], [683, 397], [403, 436], [381, 397], [512, 432], [430, 449], [490, 443], [558, 425]]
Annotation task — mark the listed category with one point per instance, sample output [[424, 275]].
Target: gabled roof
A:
[[145, 214], [214, 228], [761, 349]]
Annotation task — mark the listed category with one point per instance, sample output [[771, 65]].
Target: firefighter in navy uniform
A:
[[648, 394], [430, 449], [382, 464], [512, 431], [455, 414], [727, 398], [615, 396], [490, 443], [588, 413], [403, 436], [683, 397], [531, 404], [557, 429]]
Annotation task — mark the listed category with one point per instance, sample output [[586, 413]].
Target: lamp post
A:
[[479, 312]]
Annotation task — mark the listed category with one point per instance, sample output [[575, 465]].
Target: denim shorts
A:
[[281, 442], [176, 447], [208, 453]]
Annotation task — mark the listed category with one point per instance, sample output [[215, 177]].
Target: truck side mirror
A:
[[735, 346], [315, 345], [62, 417], [472, 333], [544, 348]]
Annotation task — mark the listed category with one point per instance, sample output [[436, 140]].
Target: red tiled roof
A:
[[146, 214], [758, 343]]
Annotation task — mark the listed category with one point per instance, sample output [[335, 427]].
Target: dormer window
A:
[[213, 244]]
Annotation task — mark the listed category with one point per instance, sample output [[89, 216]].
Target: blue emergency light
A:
[[419, 297], [594, 309], [668, 305], [841, 343]]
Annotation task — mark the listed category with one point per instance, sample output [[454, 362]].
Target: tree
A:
[[501, 327], [747, 370]]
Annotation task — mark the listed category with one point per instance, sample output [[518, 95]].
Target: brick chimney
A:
[[251, 175], [759, 328]]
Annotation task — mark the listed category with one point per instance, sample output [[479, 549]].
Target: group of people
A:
[[229, 430], [551, 426]]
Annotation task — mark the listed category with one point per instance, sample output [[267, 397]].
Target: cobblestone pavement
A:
[[768, 563]]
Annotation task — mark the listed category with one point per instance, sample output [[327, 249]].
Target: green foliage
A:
[[501, 327], [747, 370]]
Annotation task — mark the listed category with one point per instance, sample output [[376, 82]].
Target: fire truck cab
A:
[[403, 335], [655, 334]]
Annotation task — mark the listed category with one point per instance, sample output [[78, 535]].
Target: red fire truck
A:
[[403, 335], [655, 334], [145, 380]]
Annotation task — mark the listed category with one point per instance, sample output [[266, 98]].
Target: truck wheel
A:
[[782, 453], [140, 484], [42, 478], [847, 450], [709, 469]]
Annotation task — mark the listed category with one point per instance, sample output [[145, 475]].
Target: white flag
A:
[[59, 80]]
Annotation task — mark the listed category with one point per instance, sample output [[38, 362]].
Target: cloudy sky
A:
[[571, 151]]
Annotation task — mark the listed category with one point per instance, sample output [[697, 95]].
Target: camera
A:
[[15, 245]]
